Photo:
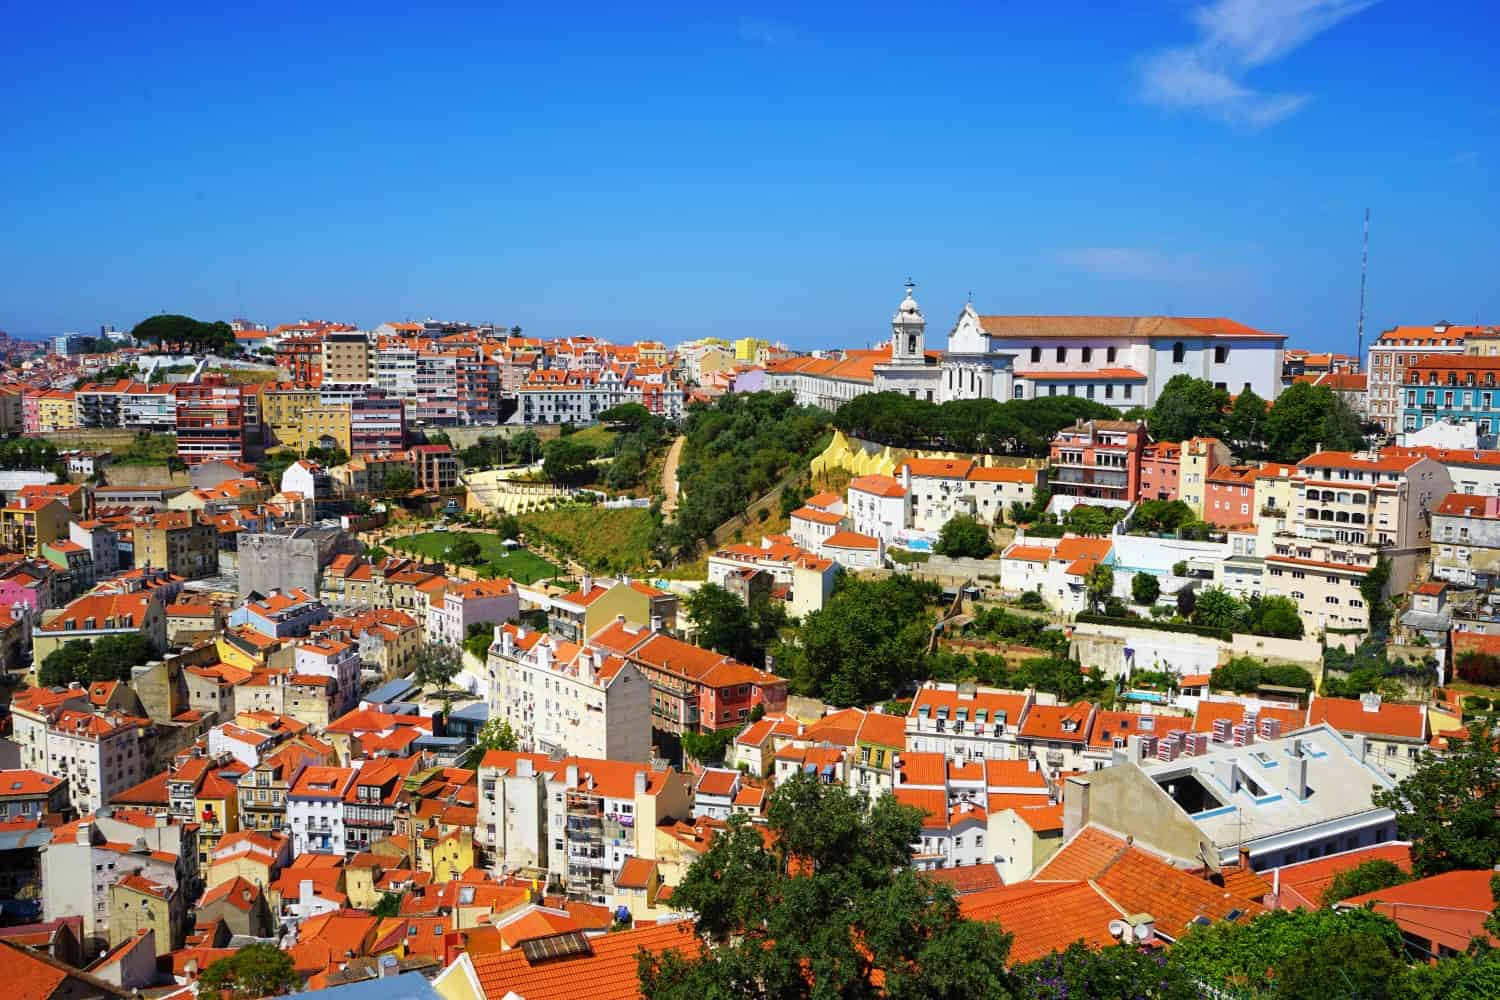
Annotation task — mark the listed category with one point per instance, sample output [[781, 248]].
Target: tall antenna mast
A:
[[1364, 264]]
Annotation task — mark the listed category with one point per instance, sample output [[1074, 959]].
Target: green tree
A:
[[1354, 962], [829, 909], [1188, 407], [67, 664], [1369, 876], [1257, 956], [399, 481], [1100, 583], [1218, 608], [629, 415], [1449, 806], [1246, 427], [723, 621], [867, 642], [567, 461], [184, 333], [964, 537], [274, 464], [1277, 616], [435, 664], [1161, 517], [1144, 588], [1187, 601], [1240, 675], [1309, 418], [1114, 971], [496, 735], [1372, 589], [112, 656], [389, 905], [526, 446], [463, 550], [257, 970]]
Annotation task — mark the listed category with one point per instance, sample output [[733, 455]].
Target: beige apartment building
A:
[[346, 358], [1349, 509], [179, 542]]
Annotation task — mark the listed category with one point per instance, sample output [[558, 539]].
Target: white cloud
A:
[[1131, 262], [1235, 37]]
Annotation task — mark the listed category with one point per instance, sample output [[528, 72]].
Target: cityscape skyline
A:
[[675, 175]]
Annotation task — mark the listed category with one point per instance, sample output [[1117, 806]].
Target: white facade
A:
[[491, 602], [594, 704], [317, 824], [810, 576], [879, 506], [98, 756], [335, 659]]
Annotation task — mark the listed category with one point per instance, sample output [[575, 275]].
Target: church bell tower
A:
[[908, 331]]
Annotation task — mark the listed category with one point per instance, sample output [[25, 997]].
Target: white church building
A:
[[1120, 361]]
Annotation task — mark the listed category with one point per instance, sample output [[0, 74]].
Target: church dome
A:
[[908, 309]]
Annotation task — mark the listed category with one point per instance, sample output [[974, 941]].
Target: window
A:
[[1062, 354], [1109, 355], [1088, 354], [1036, 355], [1221, 355], [1178, 352]]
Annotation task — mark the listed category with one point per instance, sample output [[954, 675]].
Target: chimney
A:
[[1370, 701], [305, 891], [505, 639], [640, 782], [1244, 858], [85, 834], [525, 769], [656, 623], [1133, 748], [586, 585], [1075, 805], [570, 776], [1296, 777]]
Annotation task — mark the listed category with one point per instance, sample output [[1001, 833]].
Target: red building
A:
[[1098, 460], [301, 360], [217, 420], [1161, 465], [1229, 500], [435, 466]]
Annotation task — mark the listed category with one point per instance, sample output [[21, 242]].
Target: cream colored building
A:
[[346, 358], [1350, 509], [1200, 456], [558, 695]]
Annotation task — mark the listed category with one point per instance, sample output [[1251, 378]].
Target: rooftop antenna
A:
[[1364, 263]]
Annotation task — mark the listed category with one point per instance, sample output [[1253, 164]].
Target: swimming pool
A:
[[1153, 697], [919, 545]]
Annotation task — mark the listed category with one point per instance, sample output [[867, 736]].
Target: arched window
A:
[[1019, 392], [1178, 353]]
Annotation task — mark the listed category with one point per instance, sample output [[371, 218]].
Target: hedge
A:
[[1204, 630]]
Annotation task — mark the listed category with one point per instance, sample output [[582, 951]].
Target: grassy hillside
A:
[[606, 541]]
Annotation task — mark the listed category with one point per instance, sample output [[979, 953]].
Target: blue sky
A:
[[764, 171]]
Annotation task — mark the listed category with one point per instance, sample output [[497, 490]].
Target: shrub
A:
[[1145, 588], [1179, 568], [1479, 668], [1476, 703]]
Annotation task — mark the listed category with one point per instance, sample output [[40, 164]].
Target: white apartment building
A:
[[98, 755], [1349, 509], [331, 656], [79, 871], [966, 722], [811, 527], [471, 602], [940, 489], [879, 506], [1390, 355], [810, 577], [396, 369], [315, 809], [560, 696], [1466, 540]]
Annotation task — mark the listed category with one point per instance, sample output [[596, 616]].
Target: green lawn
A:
[[520, 565], [606, 541], [597, 436]]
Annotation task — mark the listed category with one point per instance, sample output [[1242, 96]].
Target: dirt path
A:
[[669, 477]]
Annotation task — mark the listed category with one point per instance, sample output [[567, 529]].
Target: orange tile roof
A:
[[1044, 917], [851, 540], [1302, 885], [938, 468], [816, 516], [1112, 725], [883, 486], [1209, 711], [609, 968], [1058, 722], [1389, 719]]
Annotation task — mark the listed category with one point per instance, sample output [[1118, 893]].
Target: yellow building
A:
[[281, 409], [180, 542], [1200, 456], [325, 427], [748, 348], [28, 523], [137, 903], [216, 807], [56, 411], [446, 854]]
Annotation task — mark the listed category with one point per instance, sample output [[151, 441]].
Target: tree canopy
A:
[[726, 625], [1308, 418], [832, 908], [435, 664], [1449, 806], [1014, 427], [865, 644], [185, 333], [108, 658], [567, 460], [1188, 407], [964, 537], [1368, 876], [257, 970]]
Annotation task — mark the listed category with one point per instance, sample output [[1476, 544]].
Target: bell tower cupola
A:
[[908, 331]]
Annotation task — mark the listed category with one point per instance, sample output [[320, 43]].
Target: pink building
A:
[[1229, 500], [1161, 464], [1098, 460]]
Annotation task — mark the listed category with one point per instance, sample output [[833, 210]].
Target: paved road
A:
[[669, 477]]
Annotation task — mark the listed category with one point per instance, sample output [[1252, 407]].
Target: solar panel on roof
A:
[[564, 945]]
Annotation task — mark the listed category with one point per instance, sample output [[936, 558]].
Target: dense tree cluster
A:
[[257, 970], [27, 453], [108, 658], [1015, 427], [184, 333], [737, 448], [964, 537], [866, 643], [498, 450], [1246, 674], [1270, 616], [727, 625], [1305, 418], [1449, 806]]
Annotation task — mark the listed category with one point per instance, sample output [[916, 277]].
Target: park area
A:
[[518, 564]]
